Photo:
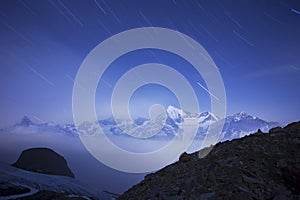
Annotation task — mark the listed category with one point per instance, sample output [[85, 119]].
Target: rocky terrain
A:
[[258, 166]]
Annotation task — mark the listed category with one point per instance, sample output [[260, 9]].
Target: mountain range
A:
[[235, 126]]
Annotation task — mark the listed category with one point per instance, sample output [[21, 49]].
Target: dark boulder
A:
[[276, 129], [43, 160], [293, 127], [184, 157]]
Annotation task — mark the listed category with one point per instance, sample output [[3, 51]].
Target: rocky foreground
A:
[[259, 166]]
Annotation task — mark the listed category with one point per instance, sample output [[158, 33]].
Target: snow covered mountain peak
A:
[[242, 116], [172, 109], [236, 125], [208, 116], [27, 126], [175, 113]]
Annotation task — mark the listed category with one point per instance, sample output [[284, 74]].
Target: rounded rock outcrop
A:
[[43, 160]]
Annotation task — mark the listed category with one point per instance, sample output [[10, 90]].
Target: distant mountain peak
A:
[[173, 108], [242, 116], [25, 121], [204, 114], [209, 116], [174, 113]]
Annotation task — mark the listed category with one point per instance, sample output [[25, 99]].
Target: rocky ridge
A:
[[258, 166]]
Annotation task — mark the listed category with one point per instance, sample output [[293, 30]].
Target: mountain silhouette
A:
[[43, 160]]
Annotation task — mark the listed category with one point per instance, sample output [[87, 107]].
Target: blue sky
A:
[[255, 45]]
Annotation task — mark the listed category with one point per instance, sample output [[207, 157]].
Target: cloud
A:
[[265, 72]]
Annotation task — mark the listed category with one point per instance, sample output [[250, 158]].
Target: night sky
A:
[[255, 44]]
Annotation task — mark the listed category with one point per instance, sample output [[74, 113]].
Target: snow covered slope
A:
[[38, 182]]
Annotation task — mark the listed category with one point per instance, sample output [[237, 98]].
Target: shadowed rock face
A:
[[259, 166], [43, 160], [7, 189]]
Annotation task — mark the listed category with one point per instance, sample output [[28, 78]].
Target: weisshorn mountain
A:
[[235, 126], [258, 166]]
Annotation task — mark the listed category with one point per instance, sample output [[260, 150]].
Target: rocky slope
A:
[[258, 166]]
